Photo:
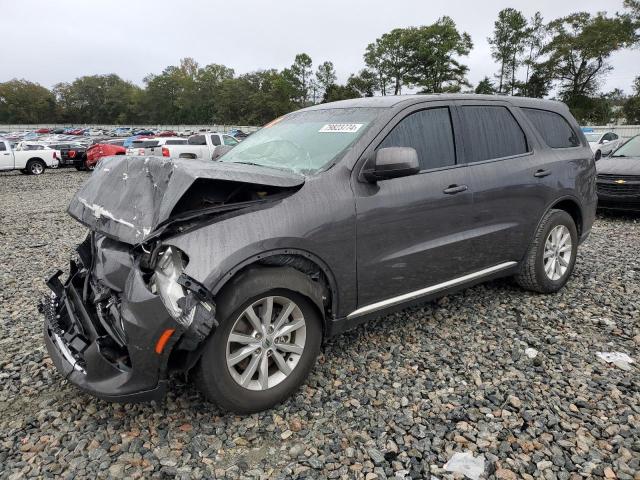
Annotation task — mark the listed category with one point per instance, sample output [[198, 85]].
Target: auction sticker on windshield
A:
[[340, 128]]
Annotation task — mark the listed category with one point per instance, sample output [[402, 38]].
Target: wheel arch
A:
[[301, 260], [572, 207]]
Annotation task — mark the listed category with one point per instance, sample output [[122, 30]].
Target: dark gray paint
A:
[[373, 241]]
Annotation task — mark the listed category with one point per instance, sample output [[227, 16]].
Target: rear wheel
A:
[[552, 254], [35, 167], [263, 350]]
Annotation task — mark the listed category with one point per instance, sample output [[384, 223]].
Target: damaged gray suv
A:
[[236, 270]]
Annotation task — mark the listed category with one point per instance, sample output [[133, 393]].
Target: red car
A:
[[167, 133], [43, 130], [99, 150]]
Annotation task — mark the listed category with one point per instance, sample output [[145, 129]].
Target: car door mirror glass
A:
[[392, 162]]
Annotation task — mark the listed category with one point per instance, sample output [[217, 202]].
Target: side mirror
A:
[[392, 162]]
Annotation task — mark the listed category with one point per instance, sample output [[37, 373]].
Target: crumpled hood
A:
[[126, 198], [619, 165]]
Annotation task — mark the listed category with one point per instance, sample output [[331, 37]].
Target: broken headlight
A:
[[169, 266]]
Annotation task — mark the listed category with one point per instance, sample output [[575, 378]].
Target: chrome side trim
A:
[[432, 289]]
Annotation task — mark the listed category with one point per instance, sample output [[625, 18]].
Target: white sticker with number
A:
[[340, 128]]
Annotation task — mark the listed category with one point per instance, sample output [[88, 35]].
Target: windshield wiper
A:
[[618, 156]]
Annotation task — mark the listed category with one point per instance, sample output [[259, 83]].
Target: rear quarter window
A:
[[553, 128]]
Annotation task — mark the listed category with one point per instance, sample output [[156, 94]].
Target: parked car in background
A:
[[202, 145], [153, 146], [43, 130], [106, 149], [71, 154], [603, 143], [33, 162], [238, 269], [238, 134], [619, 178], [167, 133]]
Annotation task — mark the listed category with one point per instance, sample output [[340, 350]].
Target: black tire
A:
[[598, 155], [212, 374], [532, 275], [24, 171], [36, 167], [80, 168]]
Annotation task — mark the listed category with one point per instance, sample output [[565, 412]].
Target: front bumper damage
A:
[[103, 326]]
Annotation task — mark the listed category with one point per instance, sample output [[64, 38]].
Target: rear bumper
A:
[[86, 352]]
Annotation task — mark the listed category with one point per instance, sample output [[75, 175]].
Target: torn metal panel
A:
[[126, 198]]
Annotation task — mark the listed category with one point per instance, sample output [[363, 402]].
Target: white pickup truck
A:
[[202, 145], [32, 162]]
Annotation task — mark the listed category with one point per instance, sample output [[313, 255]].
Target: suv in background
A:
[[331, 215]]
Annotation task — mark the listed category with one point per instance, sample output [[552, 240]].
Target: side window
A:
[[215, 140], [491, 132], [430, 133], [197, 140], [229, 140], [554, 129], [613, 136], [3, 147]]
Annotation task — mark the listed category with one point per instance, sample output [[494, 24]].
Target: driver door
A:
[[412, 232]]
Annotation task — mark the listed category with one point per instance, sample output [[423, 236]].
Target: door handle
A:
[[453, 189], [542, 173]]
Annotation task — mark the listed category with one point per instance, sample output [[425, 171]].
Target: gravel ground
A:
[[394, 398]]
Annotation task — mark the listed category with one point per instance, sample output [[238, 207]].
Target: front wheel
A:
[[552, 255], [598, 155], [263, 349]]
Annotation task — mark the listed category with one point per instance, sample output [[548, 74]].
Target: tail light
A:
[[72, 154], [165, 152], [55, 155]]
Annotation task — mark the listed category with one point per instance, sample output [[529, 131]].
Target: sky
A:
[[56, 41]]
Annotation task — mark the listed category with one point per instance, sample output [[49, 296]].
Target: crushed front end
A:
[[124, 318]]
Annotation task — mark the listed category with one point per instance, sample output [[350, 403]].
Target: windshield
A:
[[593, 137], [629, 149], [303, 142]]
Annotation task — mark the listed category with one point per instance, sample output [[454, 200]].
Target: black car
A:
[[619, 178], [71, 154], [236, 270]]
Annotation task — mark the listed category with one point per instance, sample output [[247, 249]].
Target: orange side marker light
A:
[[164, 338]]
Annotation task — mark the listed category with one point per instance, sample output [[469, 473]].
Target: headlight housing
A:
[[169, 266]]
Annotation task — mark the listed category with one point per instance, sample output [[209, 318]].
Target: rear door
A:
[[412, 231], [506, 177]]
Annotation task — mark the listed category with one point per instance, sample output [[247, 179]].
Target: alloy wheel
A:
[[266, 343], [558, 249], [37, 168]]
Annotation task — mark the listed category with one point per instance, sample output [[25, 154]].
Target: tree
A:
[[98, 99], [300, 75], [485, 87], [388, 57], [325, 76], [365, 82], [340, 92], [579, 49], [431, 56], [26, 102], [534, 42], [507, 43], [631, 107]]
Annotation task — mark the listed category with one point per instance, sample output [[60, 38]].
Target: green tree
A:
[[388, 56], [631, 107], [300, 75], [507, 44], [365, 82], [432, 53], [578, 51], [22, 101], [534, 42], [485, 87], [340, 92], [98, 99], [325, 76]]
